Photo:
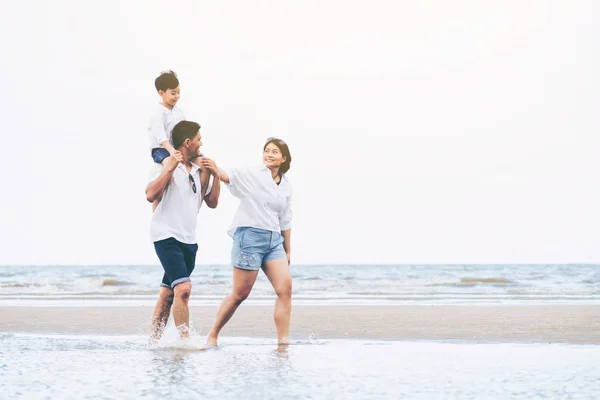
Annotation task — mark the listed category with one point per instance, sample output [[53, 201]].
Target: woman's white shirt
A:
[[263, 203]]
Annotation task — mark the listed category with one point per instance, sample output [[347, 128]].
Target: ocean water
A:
[[34, 366], [77, 366], [312, 284]]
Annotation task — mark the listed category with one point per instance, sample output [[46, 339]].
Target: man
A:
[[178, 187]]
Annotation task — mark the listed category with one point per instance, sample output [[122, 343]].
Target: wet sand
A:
[[522, 323]]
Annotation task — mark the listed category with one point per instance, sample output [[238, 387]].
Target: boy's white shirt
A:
[[161, 124]]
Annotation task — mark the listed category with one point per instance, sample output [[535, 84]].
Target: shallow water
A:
[[37, 366]]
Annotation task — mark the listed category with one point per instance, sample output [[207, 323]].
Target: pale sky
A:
[[421, 131]]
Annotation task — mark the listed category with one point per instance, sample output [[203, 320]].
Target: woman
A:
[[261, 232]]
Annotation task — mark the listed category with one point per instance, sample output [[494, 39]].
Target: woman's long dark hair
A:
[[285, 151]]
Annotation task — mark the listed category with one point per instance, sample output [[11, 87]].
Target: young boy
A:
[[164, 118]]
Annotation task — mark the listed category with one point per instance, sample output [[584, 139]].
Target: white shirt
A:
[[263, 203], [161, 124], [177, 212]]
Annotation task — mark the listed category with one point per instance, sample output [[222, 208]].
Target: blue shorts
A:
[[177, 259], [252, 247], [159, 154]]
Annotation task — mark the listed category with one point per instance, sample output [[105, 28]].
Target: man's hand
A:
[[176, 158], [209, 164]]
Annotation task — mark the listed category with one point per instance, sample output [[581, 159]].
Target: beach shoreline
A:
[[577, 324]]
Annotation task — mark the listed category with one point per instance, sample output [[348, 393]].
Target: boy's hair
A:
[[166, 80], [184, 130]]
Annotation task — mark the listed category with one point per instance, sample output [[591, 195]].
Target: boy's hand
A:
[[175, 159]]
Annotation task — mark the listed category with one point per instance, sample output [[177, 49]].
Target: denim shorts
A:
[[177, 259], [252, 247], [159, 154]]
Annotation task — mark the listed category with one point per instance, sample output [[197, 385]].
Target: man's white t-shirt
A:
[[177, 212]]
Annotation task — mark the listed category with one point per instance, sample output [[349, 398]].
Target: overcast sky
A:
[[421, 131]]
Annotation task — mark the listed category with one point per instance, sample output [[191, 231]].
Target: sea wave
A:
[[115, 282], [321, 283], [472, 281]]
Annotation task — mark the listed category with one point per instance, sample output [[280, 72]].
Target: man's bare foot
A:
[[184, 331]]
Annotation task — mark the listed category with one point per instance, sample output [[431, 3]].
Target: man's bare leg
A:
[[161, 313], [181, 313], [278, 272], [243, 281]]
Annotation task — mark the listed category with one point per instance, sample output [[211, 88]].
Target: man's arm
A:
[[212, 199], [287, 243], [156, 188]]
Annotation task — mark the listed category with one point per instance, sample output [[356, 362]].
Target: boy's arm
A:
[[169, 147], [156, 188]]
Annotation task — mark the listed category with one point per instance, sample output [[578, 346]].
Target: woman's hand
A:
[[210, 164]]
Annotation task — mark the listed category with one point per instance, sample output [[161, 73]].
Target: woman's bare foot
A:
[[283, 342], [211, 340]]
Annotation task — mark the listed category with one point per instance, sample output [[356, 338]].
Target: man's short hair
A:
[[184, 130], [167, 80]]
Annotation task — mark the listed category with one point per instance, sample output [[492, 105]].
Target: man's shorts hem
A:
[[180, 280]]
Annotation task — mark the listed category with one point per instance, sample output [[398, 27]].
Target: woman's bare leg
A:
[[278, 272], [243, 280]]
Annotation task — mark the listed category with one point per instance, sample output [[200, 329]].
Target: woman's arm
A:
[[209, 164], [285, 224], [287, 243], [223, 176]]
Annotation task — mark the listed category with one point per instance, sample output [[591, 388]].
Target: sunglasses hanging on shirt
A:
[[192, 183]]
